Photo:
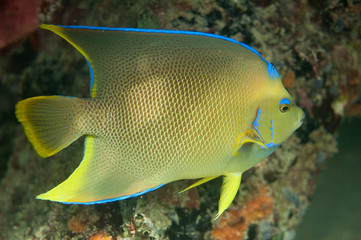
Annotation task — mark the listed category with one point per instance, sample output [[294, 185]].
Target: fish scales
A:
[[158, 108], [165, 106]]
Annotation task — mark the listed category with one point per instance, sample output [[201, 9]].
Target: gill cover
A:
[[274, 111]]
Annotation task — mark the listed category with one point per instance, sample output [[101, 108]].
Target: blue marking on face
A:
[[285, 101], [271, 126], [115, 199], [271, 144], [255, 123]]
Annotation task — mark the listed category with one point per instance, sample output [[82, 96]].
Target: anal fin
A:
[[98, 179]]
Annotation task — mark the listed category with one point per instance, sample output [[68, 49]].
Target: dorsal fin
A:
[[118, 55]]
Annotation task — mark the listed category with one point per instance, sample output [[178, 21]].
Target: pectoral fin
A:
[[247, 137], [199, 182], [229, 190]]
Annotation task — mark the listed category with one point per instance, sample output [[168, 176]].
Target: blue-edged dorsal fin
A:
[[122, 57], [86, 46]]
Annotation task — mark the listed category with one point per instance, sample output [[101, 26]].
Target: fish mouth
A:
[[301, 117]]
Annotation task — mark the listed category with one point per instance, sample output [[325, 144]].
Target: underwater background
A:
[[315, 46], [335, 212]]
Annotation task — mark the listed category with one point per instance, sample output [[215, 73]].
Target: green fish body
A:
[[164, 106]]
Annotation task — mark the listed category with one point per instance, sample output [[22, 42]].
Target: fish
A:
[[164, 105]]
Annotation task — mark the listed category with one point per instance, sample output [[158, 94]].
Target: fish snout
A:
[[300, 117]]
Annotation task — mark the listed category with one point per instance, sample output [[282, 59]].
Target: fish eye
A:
[[285, 107]]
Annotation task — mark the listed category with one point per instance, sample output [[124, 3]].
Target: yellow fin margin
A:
[[70, 187], [66, 34], [62, 33], [47, 122]]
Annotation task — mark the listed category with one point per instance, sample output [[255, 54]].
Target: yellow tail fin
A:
[[49, 122]]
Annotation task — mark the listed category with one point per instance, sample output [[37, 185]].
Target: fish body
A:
[[164, 106]]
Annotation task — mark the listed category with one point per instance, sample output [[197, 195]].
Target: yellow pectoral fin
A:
[[247, 137], [229, 190], [203, 180]]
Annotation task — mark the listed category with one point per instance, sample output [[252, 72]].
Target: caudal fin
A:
[[49, 122]]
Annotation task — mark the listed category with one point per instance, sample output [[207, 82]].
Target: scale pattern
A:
[[164, 107]]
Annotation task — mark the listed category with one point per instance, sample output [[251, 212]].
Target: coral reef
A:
[[238, 220], [17, 20], [315, 45]]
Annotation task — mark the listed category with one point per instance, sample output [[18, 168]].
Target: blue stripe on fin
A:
[[62, 96], [168, 32], [91, 76], [272, 71], [116, 199]]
